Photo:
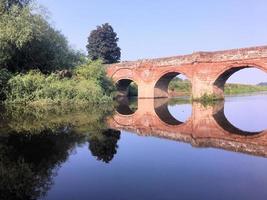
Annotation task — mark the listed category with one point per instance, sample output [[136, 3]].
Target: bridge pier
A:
[[146, 90], [206, 89]]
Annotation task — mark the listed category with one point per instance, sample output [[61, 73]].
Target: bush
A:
[[89, 84], [4, 77]]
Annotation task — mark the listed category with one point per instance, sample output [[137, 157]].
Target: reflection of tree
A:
[[178, 101], [126, 106], [35, 142], [35, 119], [104, 145], [29, 162], [133, 104]]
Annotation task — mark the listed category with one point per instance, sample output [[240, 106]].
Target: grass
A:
[[242, 88], [178, 87]]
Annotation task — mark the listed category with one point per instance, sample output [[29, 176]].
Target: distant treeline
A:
[[263, 84], [183, 87]]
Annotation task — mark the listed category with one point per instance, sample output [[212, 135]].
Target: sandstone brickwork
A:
[[207, 71]]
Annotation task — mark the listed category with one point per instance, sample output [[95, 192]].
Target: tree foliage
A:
[[28, 41], [7, 4], [102, 44]]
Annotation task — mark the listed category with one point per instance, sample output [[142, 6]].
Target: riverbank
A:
[[84, 84], [183, 88]]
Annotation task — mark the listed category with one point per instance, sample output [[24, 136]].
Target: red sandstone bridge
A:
[[207, 71], [207, 126]]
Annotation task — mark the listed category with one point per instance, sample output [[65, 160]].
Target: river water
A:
[[145, 149]]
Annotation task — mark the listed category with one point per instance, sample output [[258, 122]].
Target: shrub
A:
[[4, 77], [89, 84], [94, 70]]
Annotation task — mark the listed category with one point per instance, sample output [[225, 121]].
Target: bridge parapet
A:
[[201, 56]]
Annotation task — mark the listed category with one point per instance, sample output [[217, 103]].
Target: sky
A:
[[160, 28]]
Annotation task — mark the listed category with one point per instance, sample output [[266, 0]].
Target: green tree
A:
[[48, 51], [17, 29], [28, 41], [102, 44], [9, 3], [4, 77]]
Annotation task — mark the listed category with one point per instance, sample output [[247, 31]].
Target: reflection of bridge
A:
[[207, 127], [207, 71]]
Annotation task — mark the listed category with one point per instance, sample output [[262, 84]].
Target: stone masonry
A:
[[207, 71]]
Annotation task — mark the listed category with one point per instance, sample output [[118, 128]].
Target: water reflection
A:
[[34, 145], [162, 110], [126, 106], [207, 126], [29, 162], [104, 146], [221, 119], [181, 109]]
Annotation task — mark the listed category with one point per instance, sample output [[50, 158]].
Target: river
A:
[[145, 149]]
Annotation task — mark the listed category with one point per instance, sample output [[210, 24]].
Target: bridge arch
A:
[[227, 72], [227, 126], [123, 87], [126, 106], [163, 113], [162, 83]]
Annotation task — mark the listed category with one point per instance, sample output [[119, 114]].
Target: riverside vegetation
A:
[[180, 87], [183, 87], [88, 84], [33, 55]]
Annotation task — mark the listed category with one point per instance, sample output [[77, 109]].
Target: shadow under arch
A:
[[162, 111], [224, 123], [123, 87], [126, 106], [161, 86], [228, 72]]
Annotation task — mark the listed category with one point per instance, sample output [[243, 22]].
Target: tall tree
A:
[[28, 41], [7, 4], [102, 44]]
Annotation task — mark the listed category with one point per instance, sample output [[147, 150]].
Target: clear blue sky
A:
[[158, 28]]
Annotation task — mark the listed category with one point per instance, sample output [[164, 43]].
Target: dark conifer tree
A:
[[102, 44]]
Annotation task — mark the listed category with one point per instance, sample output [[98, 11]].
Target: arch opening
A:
[[240, 80], [224, 123], [172, 84], [173, 112], [126, 106], [127, 88], [243, 115]]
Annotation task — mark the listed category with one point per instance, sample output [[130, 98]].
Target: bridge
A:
[[207, 126], [207, 71]]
